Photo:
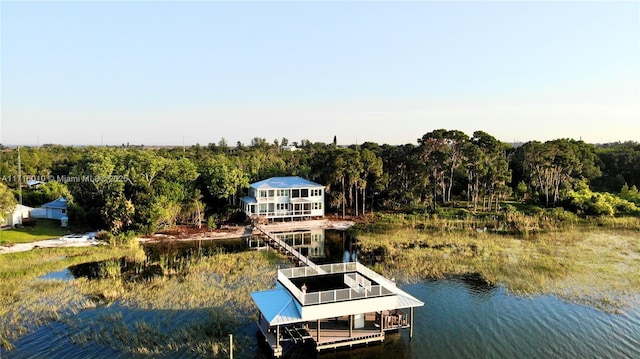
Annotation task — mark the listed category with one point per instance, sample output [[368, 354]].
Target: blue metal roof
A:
[[248, 200], [58, 203], [285, 182], [277, 306]]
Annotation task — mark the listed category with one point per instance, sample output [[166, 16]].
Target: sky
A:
[[174, 73]]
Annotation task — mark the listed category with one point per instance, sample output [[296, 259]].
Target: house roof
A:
[[32, 182], [284, 306], [277, 306], [249, 200], [58, 203], [406, 300], [285, 182]]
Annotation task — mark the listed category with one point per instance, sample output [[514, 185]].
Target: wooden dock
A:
[[333, 339], [330, 331], [284, 247]]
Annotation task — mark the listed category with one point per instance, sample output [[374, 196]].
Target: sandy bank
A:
[[227, 232]]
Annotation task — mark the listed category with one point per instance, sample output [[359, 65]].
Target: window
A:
[[316, 192], [295, 193], [263, 194], [317, 205], [270, 193], [304, 192], [263, 207], [282, 193]]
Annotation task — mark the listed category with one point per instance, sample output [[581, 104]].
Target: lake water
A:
[[463, 317], [460, 319]]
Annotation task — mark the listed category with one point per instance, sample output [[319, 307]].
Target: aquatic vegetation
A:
[[26, 302], [511, 221], [599, 267], [193, 305]]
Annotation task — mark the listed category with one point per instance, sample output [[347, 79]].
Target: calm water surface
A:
[[459, 320], [462, 318]]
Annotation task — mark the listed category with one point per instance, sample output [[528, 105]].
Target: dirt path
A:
[[66, 241]]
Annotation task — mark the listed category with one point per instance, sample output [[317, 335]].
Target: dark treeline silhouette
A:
[[147, 189]]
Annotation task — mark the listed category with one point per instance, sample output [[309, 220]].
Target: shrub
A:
[[599, 204]]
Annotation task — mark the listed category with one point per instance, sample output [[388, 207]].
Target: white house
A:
[[284, 197], [333, 305], [19, 214]]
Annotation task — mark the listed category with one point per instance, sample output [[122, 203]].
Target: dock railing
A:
[[339, 295], [292, 251], [362, 287]]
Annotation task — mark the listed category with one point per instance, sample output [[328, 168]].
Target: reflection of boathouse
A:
[[333, 305]]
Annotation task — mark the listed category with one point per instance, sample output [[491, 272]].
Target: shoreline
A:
[[244, 231], [227, 232]]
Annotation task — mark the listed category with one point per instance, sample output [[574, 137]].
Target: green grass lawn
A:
[[44, 229]]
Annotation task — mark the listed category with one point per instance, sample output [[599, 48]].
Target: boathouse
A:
[[334, 305], [284, 198]]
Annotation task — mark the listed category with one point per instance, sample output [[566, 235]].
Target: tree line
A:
[[147, 189]]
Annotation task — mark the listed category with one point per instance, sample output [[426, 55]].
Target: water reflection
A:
[[463, 317], [157, 250], [320, 245], [63, 275], [125, 268], [476, 283]]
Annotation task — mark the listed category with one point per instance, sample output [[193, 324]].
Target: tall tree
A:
[[557, 165], [443, 152], [372, 174], [494, 167], [7, 200]]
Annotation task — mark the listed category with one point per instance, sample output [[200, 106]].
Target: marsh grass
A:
[[194, 311], [596, 266], [509, 221], [193, 307], [26, 302]]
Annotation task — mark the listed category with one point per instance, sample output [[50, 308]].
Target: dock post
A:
[[318, 331], [277, 338], [350, 325], [230, 346], [411, 325]]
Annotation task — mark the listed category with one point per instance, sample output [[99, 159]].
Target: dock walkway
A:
[[284, 247], [326, 330]]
